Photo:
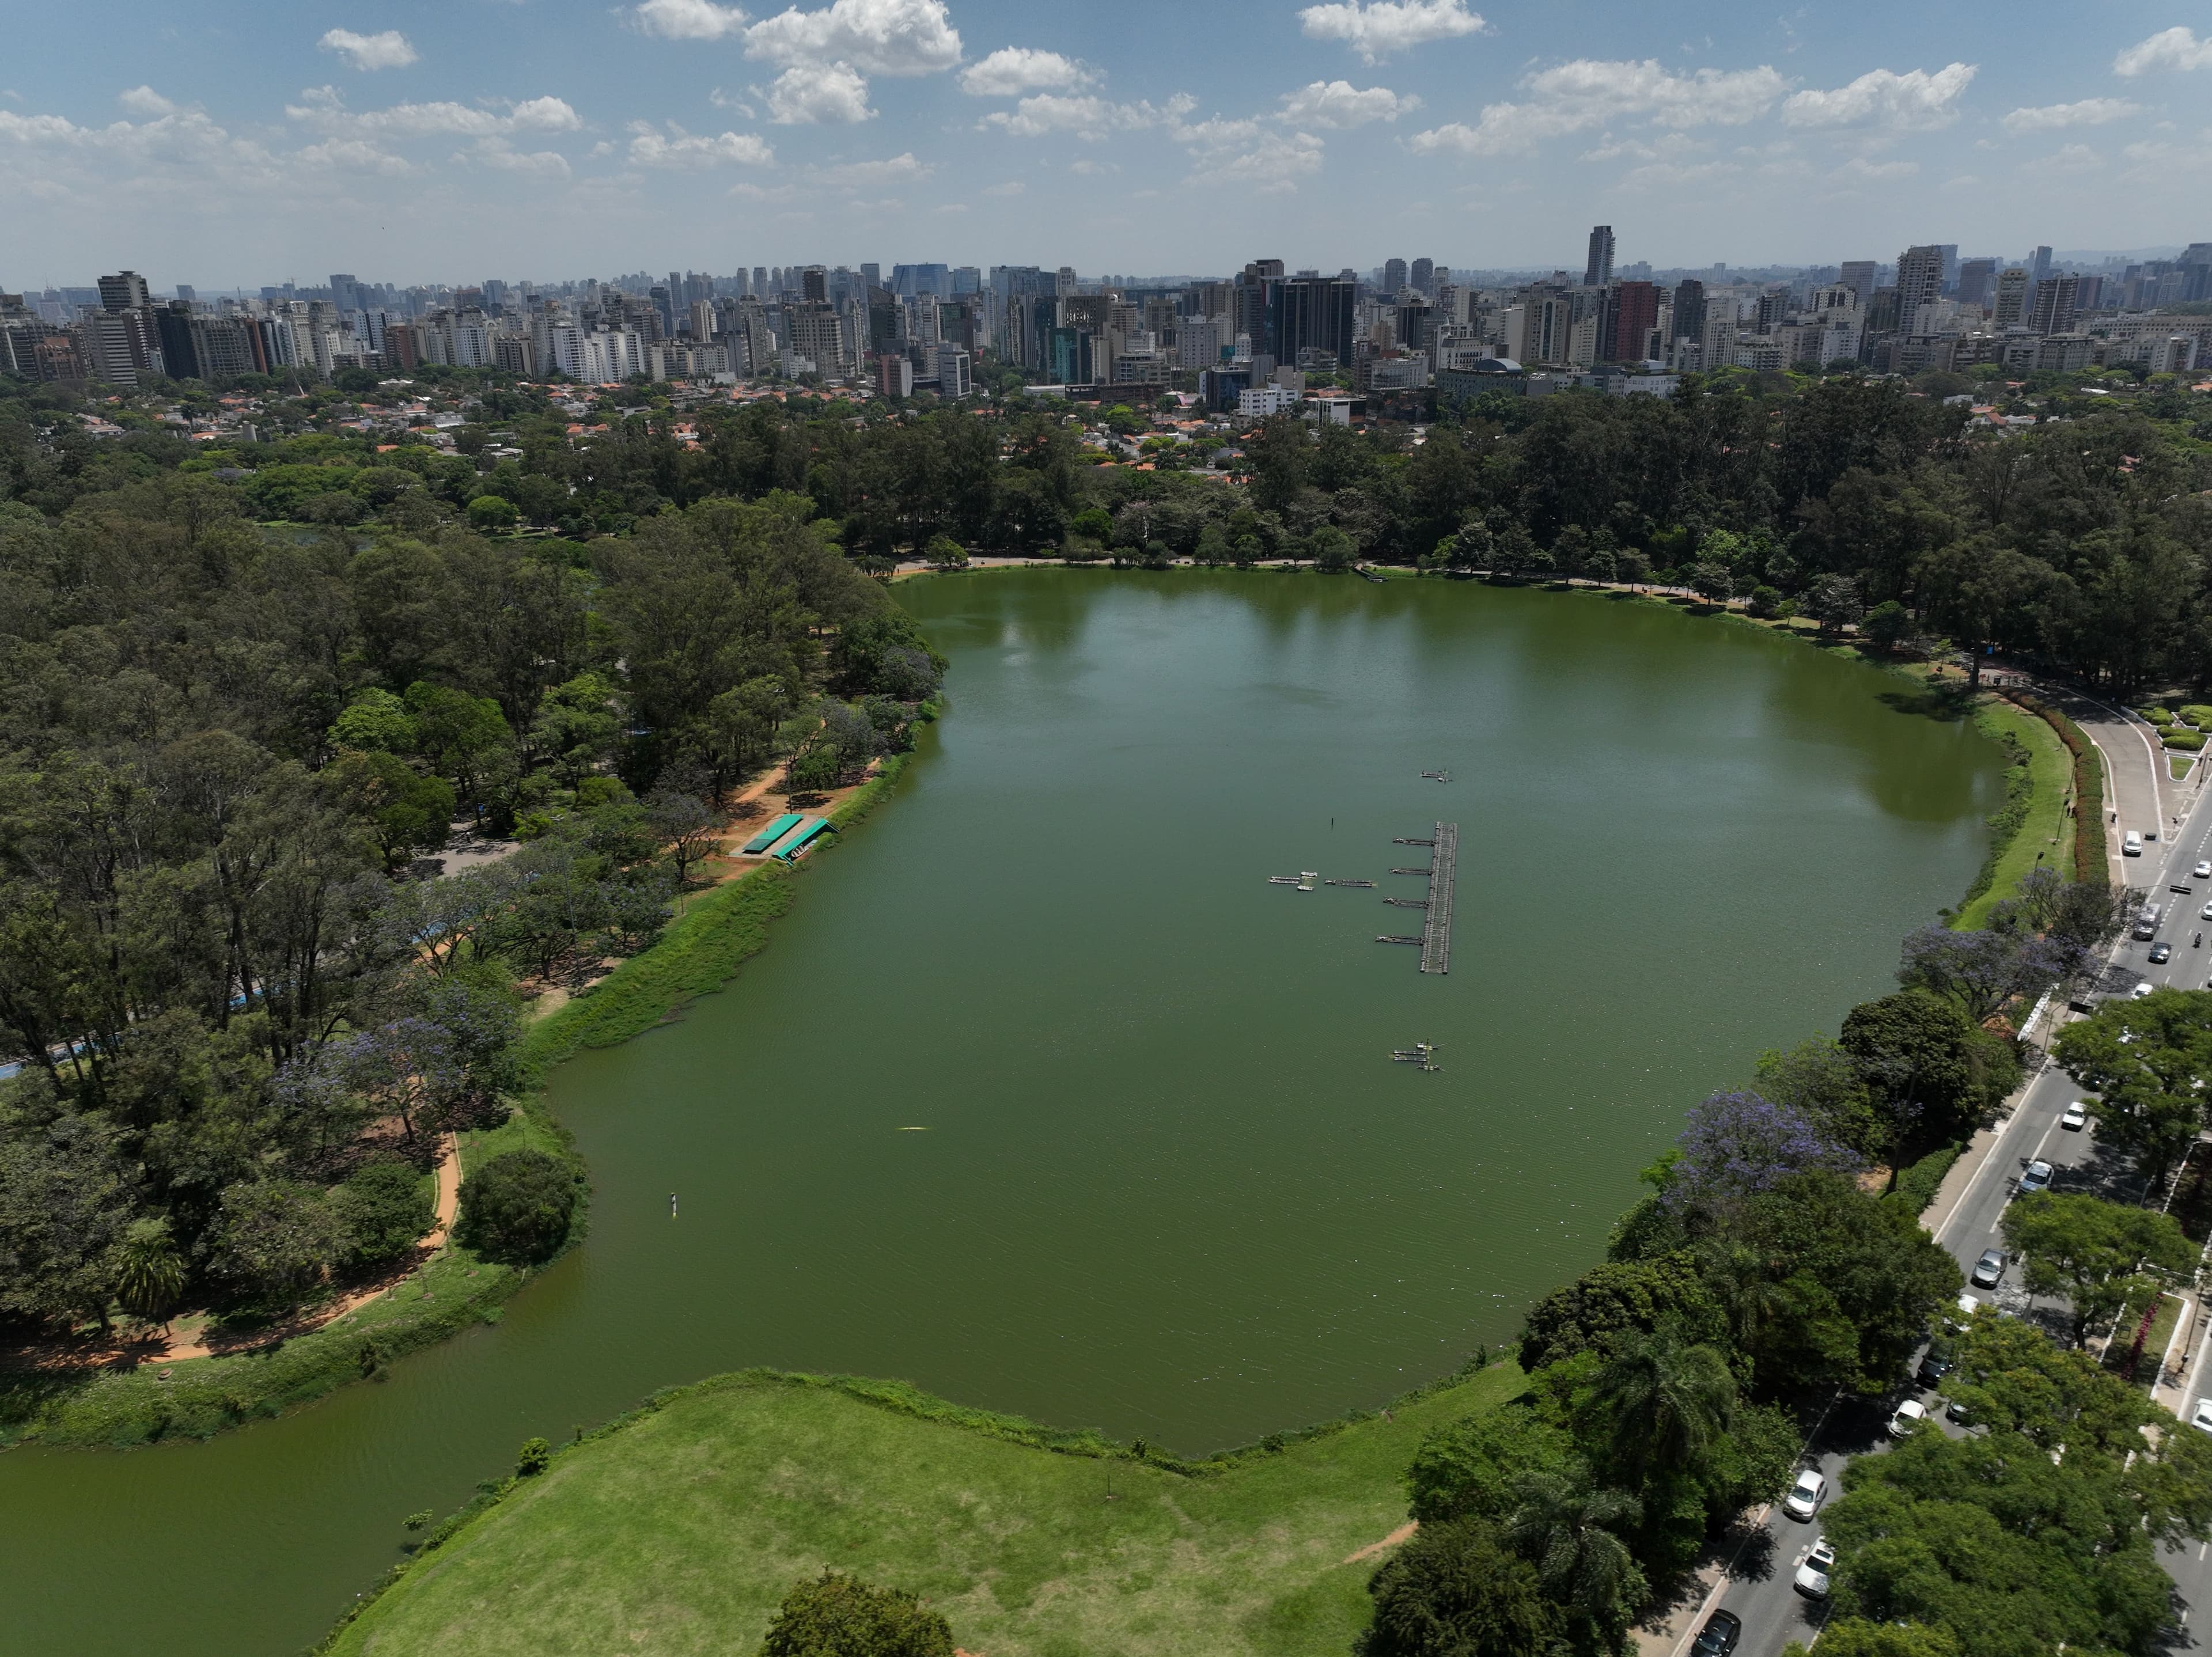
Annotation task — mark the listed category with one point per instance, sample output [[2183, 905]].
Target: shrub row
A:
[[1917, 1185], [2091, 860]]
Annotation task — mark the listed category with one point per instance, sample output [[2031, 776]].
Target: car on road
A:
[[1813, 1569], [2203, 870], [2141, 990], [2205, 914], [2076, 1117], [2038, 1178], [2161, 953], [1806, 1495], [1989, 1269], [1934, 1365], [2201, 1418], [2131, 845], [1719, 1636], [1907, 1416]]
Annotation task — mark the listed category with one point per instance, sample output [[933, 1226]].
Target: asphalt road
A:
[[1758, 1582]]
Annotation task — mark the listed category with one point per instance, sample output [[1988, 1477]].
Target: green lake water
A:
[[1166, 1181]]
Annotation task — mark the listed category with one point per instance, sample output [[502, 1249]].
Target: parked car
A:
[[2161, 953], [1813, 1570], [2038, 1178], [1907, 1416], [2131, 845], [1936, 1364], [2203, 870], [2141, 990], [1719, 1636], [1806, 1495], [2076, 1117], [1989, 1269], [2201, 1418]]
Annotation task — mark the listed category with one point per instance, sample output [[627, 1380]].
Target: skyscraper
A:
[[1689, 309], [123, 291], [2052, 310], [1394, 277], [1635, 313], [1919, 281], [2012, 299], [1976, 282], [1309, 312], [1424, 276], [2038, 264], [1858, 276], [1598, 270]]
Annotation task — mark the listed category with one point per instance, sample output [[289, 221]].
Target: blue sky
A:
[[414, 140]]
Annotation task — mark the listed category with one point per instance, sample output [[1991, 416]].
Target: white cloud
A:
[[2073, 160], [648, 148], [353, 155], [1915, 101], [1087, 116], [2173, 48], [807, 95], [497, 153], [1013, 69], [1858, 170], [1216, 132], [2090, 111], [144, 100], [876, 37], [722, 99], [1270, 168], [1341, 104], [324, 109], [898, 170], [388, 50], [1574, 97], [689, 20], [1379, 27], [1012, 187]]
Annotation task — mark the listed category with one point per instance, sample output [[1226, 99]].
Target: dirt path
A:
[[1400, 1534], [177, 1348]]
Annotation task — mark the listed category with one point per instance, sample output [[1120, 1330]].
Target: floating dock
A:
[[1386, 938], [1435, 932]]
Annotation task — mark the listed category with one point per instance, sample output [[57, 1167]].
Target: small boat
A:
[[1423, 1053], [1306, 878], [1436, 776], [1409, 871], [1348, 882]]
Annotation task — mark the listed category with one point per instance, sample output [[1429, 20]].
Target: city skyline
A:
[[435, 144]]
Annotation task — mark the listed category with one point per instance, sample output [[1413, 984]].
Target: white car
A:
[[1910, 1414], [1805, 1496], [2202, 1419], [2038, 1178], [2076, 1117], [1813, 1570], [2203, 870], [2141, 990], [2205, 914]]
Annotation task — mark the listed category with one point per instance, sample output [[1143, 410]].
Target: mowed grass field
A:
[[679, 1533]]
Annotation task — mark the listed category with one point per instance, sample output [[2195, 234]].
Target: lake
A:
[[1044, 1099]]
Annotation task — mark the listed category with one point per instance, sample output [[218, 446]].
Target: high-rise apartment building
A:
[[2052, 309], [1634, 314], [1858, 275], [2012, 299], [1311, 314], [1689, 316], [1919, 282], [1395, 276], [124, 291], [1597, 269], [2038, 264], [1423, 277], [1976, 282]]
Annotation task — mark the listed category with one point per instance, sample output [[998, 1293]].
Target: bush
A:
[[535, 1456], [2157, 716], [385, 1209], [518, 1206], [1765, 603], [840, 1615], [492, 512], [1917, 1185], [2198, 715], [2187, 741]]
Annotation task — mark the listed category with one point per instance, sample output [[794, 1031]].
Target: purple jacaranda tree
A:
[[1738, 1145], [1981, 971]]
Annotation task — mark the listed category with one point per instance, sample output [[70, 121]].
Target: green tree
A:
[[2099, 1256], [384, 1209], [1887, 624], [518, 1206], [1474, 1466], [405, 811], [276, 1239], [2149, 1061], [1567, 1533], [1457, 1590], [1669, 1402], [835, 1615], [492, 512], [375, 721], [149, 1274], [577, 724]]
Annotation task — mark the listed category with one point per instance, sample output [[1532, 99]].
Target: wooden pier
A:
[[1436, 930]]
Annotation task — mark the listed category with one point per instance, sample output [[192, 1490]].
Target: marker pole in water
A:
[[671, 1204]]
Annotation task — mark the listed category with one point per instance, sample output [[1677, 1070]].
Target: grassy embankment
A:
[[198, 1397], [678, 1529]]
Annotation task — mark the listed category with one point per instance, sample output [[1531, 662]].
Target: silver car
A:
[[1989, 1269], [1806, 1495], [2038, 1178], [1813, 1570]]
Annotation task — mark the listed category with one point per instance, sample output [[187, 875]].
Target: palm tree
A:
[[1742, 1279], [1562, 1530], [1670, 1400], [149, 1276]]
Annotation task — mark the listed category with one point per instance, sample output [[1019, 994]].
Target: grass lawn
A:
[[679, 1530], [2046, 829], [2179, 765], [2153, 1351]]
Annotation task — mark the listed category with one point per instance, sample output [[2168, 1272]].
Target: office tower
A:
[[1064, 281], [1949, 250], [814, 285], [2038, 264], [1309, 312], [1857, 275], [872, 274], [760, 282], [1394, 277], [186, 292], [123, 291], [1635, 313], [2089, 293], [1423, 275], [1919, 282], [1597, 269], [2052, 310], [1689, 309], [345, 292], [1976, 282], [952, 371], [2012, 299]]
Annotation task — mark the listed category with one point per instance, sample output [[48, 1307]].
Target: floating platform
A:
[[1282, 880], [1407, 902], [1424, 872], [1423, 1053], [1348, 882], [1435, 935], [1436, 776], [1412, 842], [1384, 937]]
